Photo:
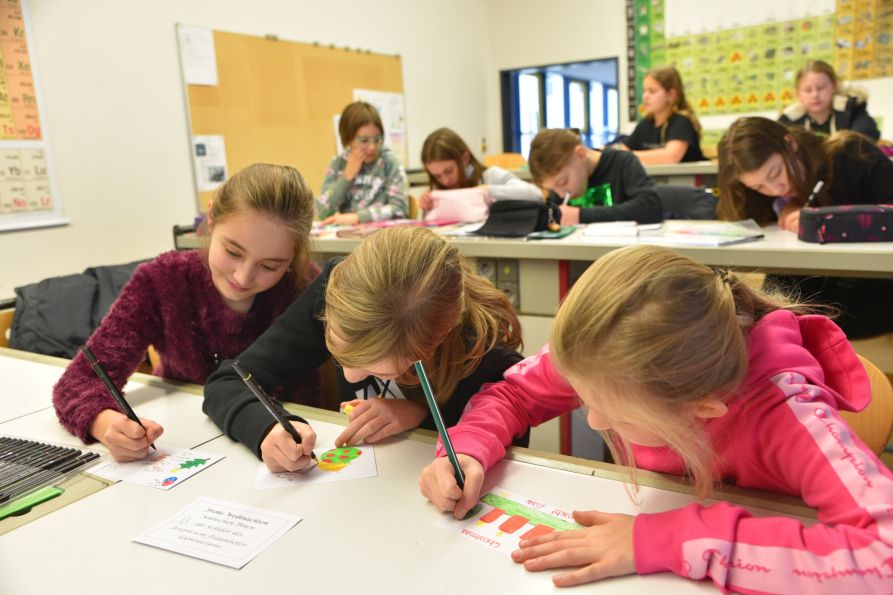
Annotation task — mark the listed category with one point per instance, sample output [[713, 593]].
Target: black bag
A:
[[517, 218], [847, 223]]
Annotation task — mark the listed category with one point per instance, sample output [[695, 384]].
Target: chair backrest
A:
[[874, 423], [6, 316], [686, 202], [509, 161]]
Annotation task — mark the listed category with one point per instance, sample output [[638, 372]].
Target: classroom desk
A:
[[374, 535], [696, 173], [177, 407], [543, 269]]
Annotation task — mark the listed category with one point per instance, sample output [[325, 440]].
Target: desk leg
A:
[[564, 285]]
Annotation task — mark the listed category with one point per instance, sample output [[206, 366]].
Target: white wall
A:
[[115, 114], [534, 33]]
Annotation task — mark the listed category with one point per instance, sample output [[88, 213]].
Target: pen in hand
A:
[[567, 197], [815, 192], [267, 402], [122, 402]]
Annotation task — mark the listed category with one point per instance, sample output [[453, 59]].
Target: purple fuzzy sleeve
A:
[[120, 344]]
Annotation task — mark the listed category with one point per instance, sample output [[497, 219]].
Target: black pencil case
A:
[[847, 223], [516, 218]]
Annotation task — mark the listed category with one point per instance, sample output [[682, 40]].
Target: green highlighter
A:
[[23, 505]]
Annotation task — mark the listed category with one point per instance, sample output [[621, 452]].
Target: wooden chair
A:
[[874, 424], [509, 161], [6, 315]]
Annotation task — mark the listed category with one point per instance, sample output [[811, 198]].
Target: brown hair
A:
[[355, 116], [445, 145], [750, 142], [407, 294], [278, 191], [550, 151], [669, 78], [658, 332]]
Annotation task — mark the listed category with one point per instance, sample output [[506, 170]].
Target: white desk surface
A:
[[177, 408], [778, 251], [374, 535]]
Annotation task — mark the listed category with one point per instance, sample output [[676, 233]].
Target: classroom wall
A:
[[114, 109], [534, 33]]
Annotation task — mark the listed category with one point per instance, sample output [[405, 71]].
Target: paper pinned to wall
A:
[[391, 108], [209, 157], [198, 56]]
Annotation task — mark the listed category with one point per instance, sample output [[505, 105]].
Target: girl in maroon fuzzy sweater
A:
[[197, 308]]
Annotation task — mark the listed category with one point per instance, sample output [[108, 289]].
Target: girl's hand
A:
[[377, 418], [281, 453], [426, 201], [603, 549], [570, 215], [125, 439], [341, 219], [355, 159], [789, 218], [438, 484]]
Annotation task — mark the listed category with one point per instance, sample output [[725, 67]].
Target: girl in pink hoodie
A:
[[688, 371]]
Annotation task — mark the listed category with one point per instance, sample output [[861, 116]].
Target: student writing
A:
[[196, 307], [365, 182], [687, 370], [404, 294], [622, 191], [767, 172], [670, 131], [451, 165]]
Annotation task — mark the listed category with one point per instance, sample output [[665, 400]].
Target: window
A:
[[580, 95]]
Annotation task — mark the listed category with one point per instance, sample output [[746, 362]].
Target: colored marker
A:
[[122, 402], [438, 421]]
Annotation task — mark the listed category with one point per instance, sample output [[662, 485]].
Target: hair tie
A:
[[723, 275]]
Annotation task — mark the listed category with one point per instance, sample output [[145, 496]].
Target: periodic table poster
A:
[[743, 57], [28, 196]]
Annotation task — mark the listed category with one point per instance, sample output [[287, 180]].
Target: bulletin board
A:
[[28, 192], [274, 101], [743, 57]]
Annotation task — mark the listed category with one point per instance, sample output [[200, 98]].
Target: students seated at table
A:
[[197, 307], [366, 182], [670, 131], [404, 294], [767, 172], [610, 185], [823, 106], [686, 370], [450, 165]]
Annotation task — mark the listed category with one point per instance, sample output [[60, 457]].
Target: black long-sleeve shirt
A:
[[633, 191], [287, 354]]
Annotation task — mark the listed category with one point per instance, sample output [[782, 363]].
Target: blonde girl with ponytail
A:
[[687, 370], [404, 294]]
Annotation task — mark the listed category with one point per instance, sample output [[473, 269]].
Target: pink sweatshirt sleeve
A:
[[119, 343], [803, 445], [531, 393]]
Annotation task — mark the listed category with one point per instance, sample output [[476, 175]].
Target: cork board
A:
[[274, 100]]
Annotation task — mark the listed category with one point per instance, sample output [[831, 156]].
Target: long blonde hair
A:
[[670, 79], [660, 332], [278, 191], [406, 294]]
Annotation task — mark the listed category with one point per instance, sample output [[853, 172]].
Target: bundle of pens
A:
[[28, 467]]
